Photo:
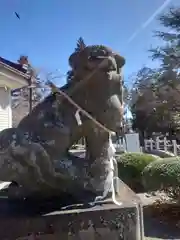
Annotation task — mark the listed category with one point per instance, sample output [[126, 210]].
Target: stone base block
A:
[[106, 221]]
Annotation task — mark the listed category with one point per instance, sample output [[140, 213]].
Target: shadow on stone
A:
[[103, 220]]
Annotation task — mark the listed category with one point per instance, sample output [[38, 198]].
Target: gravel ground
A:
[[154, 228]]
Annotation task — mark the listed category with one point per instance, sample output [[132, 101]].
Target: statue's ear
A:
[[78, 59], [120, 60], [74, 60]]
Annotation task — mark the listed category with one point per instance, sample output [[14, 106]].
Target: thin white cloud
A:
[[149, 20]]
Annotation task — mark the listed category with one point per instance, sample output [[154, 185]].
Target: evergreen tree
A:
[[79, 47], [169, 53], [155, 98]]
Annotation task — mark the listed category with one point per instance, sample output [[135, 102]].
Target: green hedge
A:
[[130, 167], [162, 174]]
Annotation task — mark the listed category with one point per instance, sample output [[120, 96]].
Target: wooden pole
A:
[[30, 94]]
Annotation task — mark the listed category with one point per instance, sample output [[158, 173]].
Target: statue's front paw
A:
[[98, 198], [15, 191]]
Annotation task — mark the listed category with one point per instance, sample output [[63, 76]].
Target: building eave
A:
[[25, 76]]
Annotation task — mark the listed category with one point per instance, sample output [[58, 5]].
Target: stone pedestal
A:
[[106, 221]]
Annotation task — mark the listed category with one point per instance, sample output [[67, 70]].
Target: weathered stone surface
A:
[[106, 221], [29, 152], [51, 219]]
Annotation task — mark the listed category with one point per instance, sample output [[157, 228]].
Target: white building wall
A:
[[5, 108]]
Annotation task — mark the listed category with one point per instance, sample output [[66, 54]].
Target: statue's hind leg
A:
[[40, 167], [29, 166]]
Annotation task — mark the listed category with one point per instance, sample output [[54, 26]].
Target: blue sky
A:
[[48, 29]]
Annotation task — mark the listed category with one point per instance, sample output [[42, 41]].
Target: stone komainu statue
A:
[[35, 155]]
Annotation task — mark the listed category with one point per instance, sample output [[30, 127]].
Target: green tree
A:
[[143, 98], [169, 53], [155, 96], [155, 101]]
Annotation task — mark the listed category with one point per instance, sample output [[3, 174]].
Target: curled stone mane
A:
[[94, 51]]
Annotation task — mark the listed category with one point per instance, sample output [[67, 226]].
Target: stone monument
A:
[[35, 156]]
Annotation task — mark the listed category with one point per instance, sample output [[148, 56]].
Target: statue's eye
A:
[[96, 54], [104, 53], [91, 57]]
